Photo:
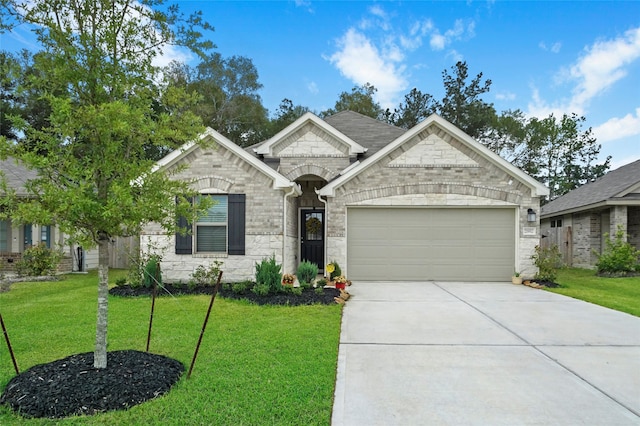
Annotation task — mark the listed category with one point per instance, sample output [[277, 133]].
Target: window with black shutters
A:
[[221, 229]]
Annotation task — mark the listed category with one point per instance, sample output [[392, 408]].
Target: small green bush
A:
[[152, 272], [261, 289], [203, 276], [321, 282], [121, 281], [240, 287], [619, 256], [38, 260], [297, 291], [549, 261], [307, 271], [305, 285], [268, 272], [319, 290]]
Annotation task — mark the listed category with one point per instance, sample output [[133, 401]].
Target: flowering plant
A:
[[288, 279], [340, 279]]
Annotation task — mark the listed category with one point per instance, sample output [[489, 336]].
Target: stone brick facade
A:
[[433, 168]]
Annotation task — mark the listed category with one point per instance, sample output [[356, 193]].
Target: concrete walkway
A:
[[483, 354]]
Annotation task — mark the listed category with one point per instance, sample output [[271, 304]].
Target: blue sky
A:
[[542, 57]]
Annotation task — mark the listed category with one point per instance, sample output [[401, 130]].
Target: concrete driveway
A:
[[447, 353]]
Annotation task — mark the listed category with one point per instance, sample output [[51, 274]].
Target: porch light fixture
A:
[[531, 215]]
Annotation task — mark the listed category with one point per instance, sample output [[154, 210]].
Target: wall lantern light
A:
[[531, 215]]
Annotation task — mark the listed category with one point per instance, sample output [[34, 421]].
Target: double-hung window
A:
[[221, 229], [211, 227]]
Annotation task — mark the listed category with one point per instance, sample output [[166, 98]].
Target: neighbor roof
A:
[[16, 175], [610, 187]]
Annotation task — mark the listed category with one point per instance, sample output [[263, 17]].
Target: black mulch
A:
[[71, 386], [308, 296]]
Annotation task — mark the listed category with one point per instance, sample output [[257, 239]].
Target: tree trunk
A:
[[100, 354]]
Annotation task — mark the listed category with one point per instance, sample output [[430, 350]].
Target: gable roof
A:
[[537, 188], [279, 181], [16, 175], [609, 188], [370, 133], [266, 147]]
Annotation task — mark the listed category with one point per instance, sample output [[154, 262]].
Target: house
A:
[[429, 203], [578, 221], [16, 237]]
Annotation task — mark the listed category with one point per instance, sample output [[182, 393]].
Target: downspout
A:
[[326, 227], [284, 222]]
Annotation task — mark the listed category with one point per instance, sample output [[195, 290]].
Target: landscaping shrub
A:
[[549, 261], [203, 277], [307, 271], [619, 256], [268, 273], [152, 273], [261, 289], [240, 287], [38, 260]]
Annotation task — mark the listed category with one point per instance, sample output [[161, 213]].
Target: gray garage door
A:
[[449, 244]]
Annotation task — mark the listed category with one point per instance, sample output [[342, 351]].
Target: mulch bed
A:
[[71, 386], [308, 296]]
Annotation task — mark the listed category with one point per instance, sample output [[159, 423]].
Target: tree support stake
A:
[[6, 337], [204, 325]]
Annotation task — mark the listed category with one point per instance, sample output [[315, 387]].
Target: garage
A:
[[417, 244]]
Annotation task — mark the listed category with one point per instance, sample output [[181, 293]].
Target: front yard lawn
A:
[[622, 294], [256, 365]]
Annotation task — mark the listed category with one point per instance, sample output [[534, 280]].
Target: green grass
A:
[[621, 294], [256, 365]]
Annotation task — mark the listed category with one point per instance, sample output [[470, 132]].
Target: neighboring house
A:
[[578, 221], [429, 203], [16, 237]]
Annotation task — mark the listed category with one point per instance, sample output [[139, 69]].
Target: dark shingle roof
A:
[[600, 190], [16, 175], [366, 131]]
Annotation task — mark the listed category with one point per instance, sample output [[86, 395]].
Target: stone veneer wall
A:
[[442, 183], [582, 239], [633, 226], [218, 170]]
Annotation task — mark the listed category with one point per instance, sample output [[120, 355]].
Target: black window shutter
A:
[[236, 223], [184, 243]]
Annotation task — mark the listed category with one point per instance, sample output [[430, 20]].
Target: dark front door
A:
[[312, 237]]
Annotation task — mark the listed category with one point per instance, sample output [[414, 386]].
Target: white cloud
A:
[[603, 65], [554, 48], [362, 62], [600, 67], [505, 96], [437, 41], [313, 88], [618, 128]]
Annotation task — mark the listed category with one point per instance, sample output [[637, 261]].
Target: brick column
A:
[[618, 217]]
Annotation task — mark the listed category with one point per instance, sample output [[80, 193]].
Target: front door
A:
[[312, 236]]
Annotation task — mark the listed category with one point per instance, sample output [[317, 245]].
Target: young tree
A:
[[359, 100], [93, 178]]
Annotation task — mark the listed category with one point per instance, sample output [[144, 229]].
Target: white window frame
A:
[[212, 224]]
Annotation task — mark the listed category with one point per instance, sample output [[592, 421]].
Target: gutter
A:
[[326, 227], [297, 191]]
